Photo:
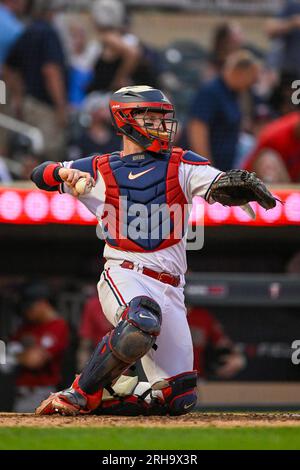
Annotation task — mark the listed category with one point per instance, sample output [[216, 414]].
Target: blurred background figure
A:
[[93, 326], [281, 94], [94, 132], [293, 266], [37, 348], [35, 73], [216, 116], [11, 25], [284, 31], [276, 156], [123, 59], [227, 38], [215, 355], [83, 54], [5, 175]]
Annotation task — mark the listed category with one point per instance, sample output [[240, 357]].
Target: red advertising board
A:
[[26, 206]]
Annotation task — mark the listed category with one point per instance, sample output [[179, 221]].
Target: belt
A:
[[164, 277]]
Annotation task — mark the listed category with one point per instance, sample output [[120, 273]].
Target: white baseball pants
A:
[[174, 354]]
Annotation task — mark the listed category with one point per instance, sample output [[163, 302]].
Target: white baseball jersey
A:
[[194, 180]]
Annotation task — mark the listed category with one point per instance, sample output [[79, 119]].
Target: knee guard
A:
[[132, 338], [179, 394]]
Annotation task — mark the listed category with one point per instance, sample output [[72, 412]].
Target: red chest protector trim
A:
[[174, 195]]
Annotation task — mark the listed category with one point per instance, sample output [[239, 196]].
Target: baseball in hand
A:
[[82, 187]]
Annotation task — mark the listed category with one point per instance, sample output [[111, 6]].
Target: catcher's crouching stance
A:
[[141, 287]]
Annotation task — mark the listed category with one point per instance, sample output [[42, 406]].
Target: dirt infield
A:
[[201, 420]]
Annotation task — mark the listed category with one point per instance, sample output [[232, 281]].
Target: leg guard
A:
[[132, 338]]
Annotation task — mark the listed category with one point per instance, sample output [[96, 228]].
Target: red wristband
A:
[[48, 175]]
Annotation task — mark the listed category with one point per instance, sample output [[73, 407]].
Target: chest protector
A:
[[145, 207]]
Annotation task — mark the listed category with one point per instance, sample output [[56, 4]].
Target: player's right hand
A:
[[70, 176]]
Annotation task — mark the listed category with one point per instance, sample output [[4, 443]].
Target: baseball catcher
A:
[[140, 197]]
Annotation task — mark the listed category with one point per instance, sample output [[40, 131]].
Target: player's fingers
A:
[[70, 177], [89, 179], [74, 178]]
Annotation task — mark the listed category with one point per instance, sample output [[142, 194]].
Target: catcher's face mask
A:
[[145, 116], [157, 125]]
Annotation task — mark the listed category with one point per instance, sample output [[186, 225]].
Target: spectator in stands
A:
[[94, 325], [36, 74], [215, 116], [37, 349], [120, 51], [97, 135], [27, 161], [227, 38], [214, 353], [285, 30], [123, 59], [280, 99], [11, 26], [5, 175], [82, 57], [293, 265], [276, 157]]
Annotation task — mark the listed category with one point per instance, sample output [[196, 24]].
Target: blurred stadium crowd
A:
[[237, 104]]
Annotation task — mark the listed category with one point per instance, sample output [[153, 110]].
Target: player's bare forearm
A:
[[49, 175]]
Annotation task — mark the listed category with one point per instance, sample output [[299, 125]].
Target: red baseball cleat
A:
[[70, 402]]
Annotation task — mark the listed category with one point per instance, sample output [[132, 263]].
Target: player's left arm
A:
[[199, 175], [231, 188]]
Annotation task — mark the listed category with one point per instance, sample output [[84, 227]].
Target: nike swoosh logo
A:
[[141, 315], [186, 407], [138, 175]]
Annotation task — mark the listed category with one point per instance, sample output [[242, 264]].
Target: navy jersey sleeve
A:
[[87, 164]]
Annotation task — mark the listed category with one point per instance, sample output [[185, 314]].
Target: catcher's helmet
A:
[[129, 101]]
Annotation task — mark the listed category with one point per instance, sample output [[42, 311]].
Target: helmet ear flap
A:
[[114, 122]]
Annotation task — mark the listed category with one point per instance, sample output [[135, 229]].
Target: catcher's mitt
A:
[[238, 187]]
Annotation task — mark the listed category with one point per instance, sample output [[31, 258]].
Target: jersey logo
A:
[[138, 175]]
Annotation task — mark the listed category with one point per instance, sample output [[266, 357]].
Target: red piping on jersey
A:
[[95, 164], [174, 193], [114, 286], [190, 162]]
